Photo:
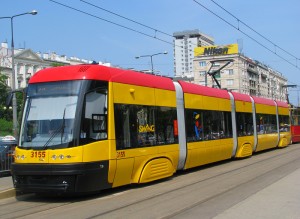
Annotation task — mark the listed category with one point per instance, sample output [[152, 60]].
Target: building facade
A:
[[241, 74], [184, 44], [27, 63]]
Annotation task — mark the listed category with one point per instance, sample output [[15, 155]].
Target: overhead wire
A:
[[240, 21], [126, 18], [250, 37], [133, 21], [114, 23]]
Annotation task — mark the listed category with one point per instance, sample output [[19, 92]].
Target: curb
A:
[[7, 193]]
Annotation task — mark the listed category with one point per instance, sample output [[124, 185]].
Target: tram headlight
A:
[[61, 157], [23, 157]]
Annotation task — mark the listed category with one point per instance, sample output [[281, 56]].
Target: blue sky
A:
[[68, 32]]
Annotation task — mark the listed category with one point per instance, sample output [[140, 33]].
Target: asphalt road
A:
[[267, 185]]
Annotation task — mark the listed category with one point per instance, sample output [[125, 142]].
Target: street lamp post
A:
[[160, 53], [14, 100]]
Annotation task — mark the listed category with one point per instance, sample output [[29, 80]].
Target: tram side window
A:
[[125, 126], [244, 124], [94, 121], [166, 125], [284, 123], [144, 126], [194, 125], [226, 124], [295, 120], [207, 125], [134, 126], [266, 124], [272, 124], [212, 126], [295, 117]]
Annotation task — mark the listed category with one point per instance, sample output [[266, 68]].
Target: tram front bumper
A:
[[61, 178]]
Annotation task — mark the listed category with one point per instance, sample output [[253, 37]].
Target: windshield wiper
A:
[[63, 126], [59, 130]]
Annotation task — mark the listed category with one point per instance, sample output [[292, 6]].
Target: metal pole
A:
[[298, 97], [14, 100], [13, 76], [152, 70]]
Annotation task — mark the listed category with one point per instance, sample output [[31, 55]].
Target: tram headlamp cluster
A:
[[60, 157], [20, 157], [54, 157]]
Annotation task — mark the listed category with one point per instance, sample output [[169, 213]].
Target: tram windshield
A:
[[49, 115]]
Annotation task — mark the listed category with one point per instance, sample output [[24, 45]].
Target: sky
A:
[[95, 34]]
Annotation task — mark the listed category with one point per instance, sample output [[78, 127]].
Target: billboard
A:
[[216, 50]]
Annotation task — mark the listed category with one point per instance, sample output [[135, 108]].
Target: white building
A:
[[184, 44], [27, 63]]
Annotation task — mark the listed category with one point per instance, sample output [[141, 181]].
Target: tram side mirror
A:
[[99, 122], [10, 95]]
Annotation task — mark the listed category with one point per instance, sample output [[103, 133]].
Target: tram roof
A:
[[260, 100], [241, 97], [202, 90], [98, 72], [282, 104]]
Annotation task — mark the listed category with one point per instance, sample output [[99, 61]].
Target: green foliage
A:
[[6, 113], [6, 127], [57, 64]]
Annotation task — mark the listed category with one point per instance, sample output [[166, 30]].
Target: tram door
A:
[[126, 137]]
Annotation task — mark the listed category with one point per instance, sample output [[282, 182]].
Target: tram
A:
[[295, 124], [86, 128]]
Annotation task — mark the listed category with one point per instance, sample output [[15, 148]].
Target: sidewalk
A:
[[6, 187], [279, 200]]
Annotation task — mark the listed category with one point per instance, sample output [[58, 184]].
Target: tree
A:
[[6, 123]]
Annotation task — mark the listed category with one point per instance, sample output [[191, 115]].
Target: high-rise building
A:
[[184, 44]]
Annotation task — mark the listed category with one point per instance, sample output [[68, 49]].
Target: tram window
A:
[[166, 125], [94, 117], [260, 124], [144, 126], [244, 124], [194, 128], [134, 126], [226, 125], [125, 127], [99, 123], [266, 124], [207, 125], [284, 124], [295, 120], [272, 124], [212, 127]]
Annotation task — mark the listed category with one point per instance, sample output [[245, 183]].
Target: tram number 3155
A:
[[38, 154]]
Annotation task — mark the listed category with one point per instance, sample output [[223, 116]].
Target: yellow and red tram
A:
[[86, 128]]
